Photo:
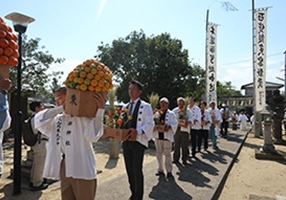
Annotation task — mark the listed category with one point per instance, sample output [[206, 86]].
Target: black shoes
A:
[[160, 173], [169, 175], [43, 186]]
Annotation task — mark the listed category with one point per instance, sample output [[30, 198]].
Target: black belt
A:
[[45, 139], [63, 156]]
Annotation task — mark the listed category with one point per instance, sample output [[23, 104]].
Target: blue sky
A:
[[74, 29]]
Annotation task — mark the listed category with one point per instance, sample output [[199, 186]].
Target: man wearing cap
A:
[[196, 126], [141, 126], [216, 120], [226, 115], [181, 138], [165, 137]]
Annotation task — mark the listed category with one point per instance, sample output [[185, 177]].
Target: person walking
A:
[[39, 152], [226, 115], [242, 118], [70, 155], [181, 138], [216, 120], [164, 138], [205, 126], [196, 126], [141, 124]]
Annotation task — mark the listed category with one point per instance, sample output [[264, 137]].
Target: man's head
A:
[[164, 104], [212, 105], [192, 101], [135, 89], [60, 96], [36, 106], [181, 102], [203, 105]]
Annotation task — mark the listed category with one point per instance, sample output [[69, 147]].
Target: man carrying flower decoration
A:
[[138, 118], [70, 155], [181, 138], [164, 137]]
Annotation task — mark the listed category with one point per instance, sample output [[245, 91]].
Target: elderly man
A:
[[181, 138], [165, 137]]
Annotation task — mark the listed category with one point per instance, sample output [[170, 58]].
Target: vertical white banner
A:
[[260, 60], [211, 68]]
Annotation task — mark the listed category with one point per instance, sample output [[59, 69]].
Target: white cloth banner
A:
[[260, 60], [211, 68]]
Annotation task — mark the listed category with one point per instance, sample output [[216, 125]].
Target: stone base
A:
[[277, 155]]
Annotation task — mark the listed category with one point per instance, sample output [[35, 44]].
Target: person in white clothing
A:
[[5, 118], [141, 126], [205, 126], [196, 126], [70, 155], [164, 138], [216, 120], [242, 118], [181, 138]]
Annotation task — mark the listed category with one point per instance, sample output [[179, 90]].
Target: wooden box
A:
[[80, 103], [119, 134], [5, 71]]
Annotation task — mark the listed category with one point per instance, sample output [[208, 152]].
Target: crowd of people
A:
[[64, 150]]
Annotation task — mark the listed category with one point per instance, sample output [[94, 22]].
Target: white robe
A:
[[72, 136]]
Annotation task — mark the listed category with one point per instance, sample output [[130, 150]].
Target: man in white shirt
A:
[[165, 138], [242, 118], [141, 124], [70, 155], [181, 138], [196, 126], [216, 120], [226, 115], [205, 126]]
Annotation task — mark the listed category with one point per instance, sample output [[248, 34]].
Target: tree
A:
[[226, 89], [159, 62], [35, 63]]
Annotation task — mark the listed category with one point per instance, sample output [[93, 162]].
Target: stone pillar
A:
[[268, 146]]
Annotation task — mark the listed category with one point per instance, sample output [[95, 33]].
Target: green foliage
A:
[[226, 89], [35, 63], [159, 62]]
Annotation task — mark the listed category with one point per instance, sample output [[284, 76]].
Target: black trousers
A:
[[223, 127], [203, 135], [194, 138], [133, 153]]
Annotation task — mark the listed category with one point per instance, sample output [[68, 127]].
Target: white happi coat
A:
[[72, 136], [145, 123], [197, 115], [170, 120]]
